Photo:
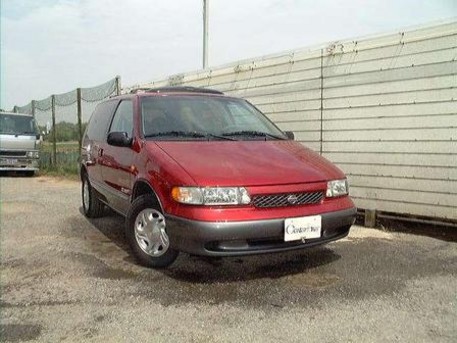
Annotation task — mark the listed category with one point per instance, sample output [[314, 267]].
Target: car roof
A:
[[169, 90], [177, 89], [17, 114]]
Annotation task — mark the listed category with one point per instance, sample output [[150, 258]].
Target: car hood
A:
[[249, 163], [17, 142]]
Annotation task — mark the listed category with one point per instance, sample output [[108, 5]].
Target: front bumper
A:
[[18, 164], [249, 237]]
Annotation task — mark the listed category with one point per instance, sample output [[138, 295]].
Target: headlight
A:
[[211, 195], [33, 154], [337, 188]]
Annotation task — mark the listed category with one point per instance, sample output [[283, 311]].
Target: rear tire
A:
[[92, 206], [146, 233], [30, 173]]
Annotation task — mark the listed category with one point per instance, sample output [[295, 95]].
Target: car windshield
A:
[[194, 117], [14, 124]]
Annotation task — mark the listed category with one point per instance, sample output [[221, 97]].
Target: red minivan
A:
[[196, 171]]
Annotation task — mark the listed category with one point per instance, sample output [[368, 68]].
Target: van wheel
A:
[[92, 206], [146, 233]]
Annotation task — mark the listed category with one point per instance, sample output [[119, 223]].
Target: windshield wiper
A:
[[220, 137], [252, 133], [176, 134], [24, 133], [192, 134]]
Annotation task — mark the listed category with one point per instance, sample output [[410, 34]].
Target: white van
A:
[[19, 143]]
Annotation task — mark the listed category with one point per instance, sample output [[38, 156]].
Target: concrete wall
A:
[[384, 109]]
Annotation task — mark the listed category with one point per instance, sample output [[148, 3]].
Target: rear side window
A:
[[98, 125], [123, 118]]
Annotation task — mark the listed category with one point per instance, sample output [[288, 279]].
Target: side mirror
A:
[[290, 135], [119, 139]]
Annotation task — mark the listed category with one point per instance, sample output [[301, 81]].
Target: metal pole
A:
[[118, 85], [321, 139], [54, 136], [33, 114], [80, 125], [205, 33]]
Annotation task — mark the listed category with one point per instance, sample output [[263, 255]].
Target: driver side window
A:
[[123, 118]]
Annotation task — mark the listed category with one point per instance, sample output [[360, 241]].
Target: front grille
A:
[[14, 153], [288, 199]]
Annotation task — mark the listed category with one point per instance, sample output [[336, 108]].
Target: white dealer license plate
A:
[[302, 228], [10, 161]]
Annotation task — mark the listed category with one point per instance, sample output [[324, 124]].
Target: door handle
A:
[[100, 152]]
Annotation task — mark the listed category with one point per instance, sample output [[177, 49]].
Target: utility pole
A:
[[205, 33]]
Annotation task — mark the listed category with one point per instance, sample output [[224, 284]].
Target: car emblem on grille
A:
[[292, 199]]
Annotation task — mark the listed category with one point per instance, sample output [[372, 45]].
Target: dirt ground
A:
[[67, 278]]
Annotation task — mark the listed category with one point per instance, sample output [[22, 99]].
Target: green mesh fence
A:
[[62, 124]]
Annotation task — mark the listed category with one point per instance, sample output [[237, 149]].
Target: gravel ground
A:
[[65, 278]]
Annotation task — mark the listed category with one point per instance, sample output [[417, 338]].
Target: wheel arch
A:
[[143, 187], [82, 172]]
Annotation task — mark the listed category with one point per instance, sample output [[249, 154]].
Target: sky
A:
[[54, 46]]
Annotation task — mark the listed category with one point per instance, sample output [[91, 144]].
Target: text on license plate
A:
[[301, 228], [10, 161]]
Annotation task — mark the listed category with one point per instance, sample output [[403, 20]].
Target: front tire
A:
[[92, 206], [146, 233]]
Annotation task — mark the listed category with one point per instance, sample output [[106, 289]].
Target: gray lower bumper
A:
[[249, 237], [18, 164]]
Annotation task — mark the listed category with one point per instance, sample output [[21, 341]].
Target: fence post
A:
[[80, 124], [15, 109], [118, 85], [54, 136], [321, 139]]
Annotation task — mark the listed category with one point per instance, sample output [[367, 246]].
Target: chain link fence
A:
[[62, 119]]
